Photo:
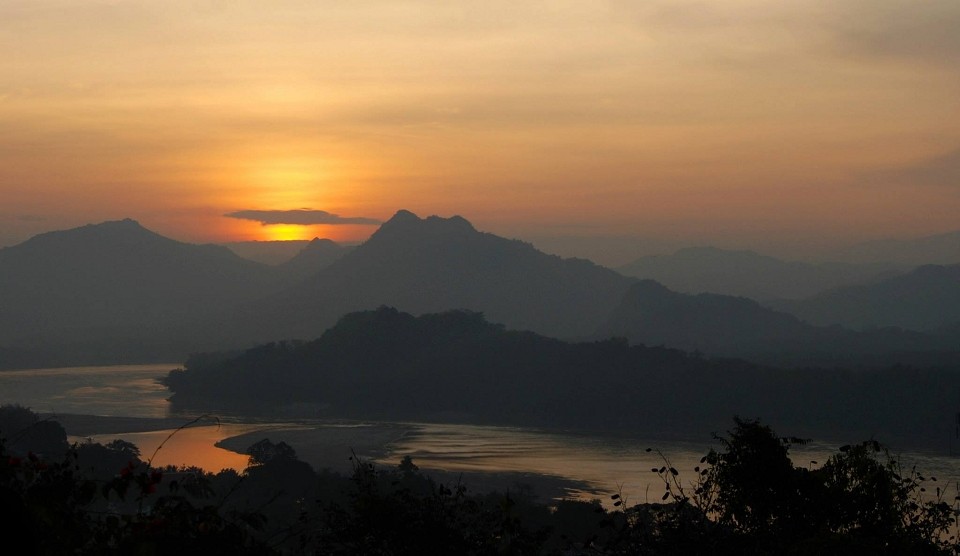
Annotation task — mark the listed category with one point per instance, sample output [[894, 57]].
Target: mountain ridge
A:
[[433, 264], [924, 299], [750, 274]]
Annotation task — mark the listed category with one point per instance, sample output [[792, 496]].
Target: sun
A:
[[286, 232]]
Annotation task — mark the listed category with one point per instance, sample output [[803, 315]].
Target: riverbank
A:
[[338, 447], [332, 446]]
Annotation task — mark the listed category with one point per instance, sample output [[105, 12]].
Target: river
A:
[[594, 466]]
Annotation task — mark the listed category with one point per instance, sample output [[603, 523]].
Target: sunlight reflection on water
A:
[[191, 447]]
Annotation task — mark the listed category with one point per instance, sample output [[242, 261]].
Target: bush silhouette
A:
[[748, 498]]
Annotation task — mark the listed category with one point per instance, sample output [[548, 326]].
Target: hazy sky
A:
[[738, 123]]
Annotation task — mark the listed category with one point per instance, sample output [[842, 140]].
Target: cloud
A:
[[942, 170], [302, 217], [924, 32]]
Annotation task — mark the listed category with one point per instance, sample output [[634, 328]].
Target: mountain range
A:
[[434, 264], [117, 292], [749, 274], [942, 249], [927, 298], [728, 326]]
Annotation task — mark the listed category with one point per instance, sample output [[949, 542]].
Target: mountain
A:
[[116, 285], [720, 325], [928, 298], [749, 274], [267, 252], [117, 292], [434, 264], [942, 249], [315, 256]]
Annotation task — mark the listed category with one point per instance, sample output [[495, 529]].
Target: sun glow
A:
[[290, 181], [287, 232]]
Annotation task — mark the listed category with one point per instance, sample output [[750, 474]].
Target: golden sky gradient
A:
[[733, 122]]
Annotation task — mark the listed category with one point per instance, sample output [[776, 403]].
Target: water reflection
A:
[[190, 447], [605, 464], [120, 390]]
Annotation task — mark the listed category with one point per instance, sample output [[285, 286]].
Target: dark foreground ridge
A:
[[746, 498], [457, 367]]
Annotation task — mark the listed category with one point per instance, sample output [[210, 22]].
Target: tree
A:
[[265, 451], [861, 498]]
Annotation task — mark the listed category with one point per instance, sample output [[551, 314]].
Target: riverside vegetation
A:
[[747, 497]]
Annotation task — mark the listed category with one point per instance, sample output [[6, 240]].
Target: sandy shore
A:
[[326, 446], [332, 446]]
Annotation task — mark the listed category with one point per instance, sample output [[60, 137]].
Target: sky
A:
[[780, 126]]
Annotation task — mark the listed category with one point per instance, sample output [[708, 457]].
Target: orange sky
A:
[[732, 122]]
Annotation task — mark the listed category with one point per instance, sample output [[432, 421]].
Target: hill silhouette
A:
[[942, 249], [315, 256], [117, 292], [267, 252], [457, 366], [729, 326], [117, 282], [928, 298]]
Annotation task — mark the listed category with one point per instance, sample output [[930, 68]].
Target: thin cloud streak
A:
[[938, 171], [302, 217]]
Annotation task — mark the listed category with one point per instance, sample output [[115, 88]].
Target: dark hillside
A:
[[456, 366]]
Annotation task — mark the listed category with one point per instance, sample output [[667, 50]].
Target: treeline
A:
[[456, 366], [748, 498]]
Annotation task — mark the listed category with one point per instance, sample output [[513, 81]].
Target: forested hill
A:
[[456, 366]]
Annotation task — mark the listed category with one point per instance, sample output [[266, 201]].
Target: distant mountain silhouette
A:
[[942, 249], [434, 264], [720, 325], [117, 286], [117, 292], [749, 274], [268, 252], [928, 298], [315, 256]]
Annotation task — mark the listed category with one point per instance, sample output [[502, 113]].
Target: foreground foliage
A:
[[746, 498]]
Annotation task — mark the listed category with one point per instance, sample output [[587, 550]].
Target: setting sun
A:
[[287, 232]]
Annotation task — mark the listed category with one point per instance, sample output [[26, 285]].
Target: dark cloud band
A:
[[302, 217]]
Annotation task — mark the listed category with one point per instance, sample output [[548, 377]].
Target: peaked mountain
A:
[[927, 298], [116, 281], [315, 256], [434, 264], [750, 274], [720, 325]]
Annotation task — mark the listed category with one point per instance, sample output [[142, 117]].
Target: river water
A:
[[600, 464]]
